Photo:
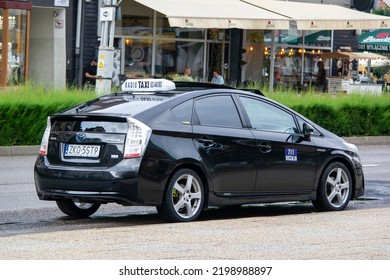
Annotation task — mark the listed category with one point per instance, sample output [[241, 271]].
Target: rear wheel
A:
[[76, 209], [335, 189], [184, 197]]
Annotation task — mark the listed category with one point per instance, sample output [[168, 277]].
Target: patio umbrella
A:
[[353, 55]]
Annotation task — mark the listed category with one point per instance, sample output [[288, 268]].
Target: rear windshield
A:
[[123, 104], [90, 126]]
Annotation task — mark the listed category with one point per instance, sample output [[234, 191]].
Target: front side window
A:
[[264, 116], [217, 111]]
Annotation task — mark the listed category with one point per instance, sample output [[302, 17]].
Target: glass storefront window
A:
[[151, 47], [134, 26], [287, 65], [13, 46], [297, 53], [319, 39], [138, 58], [173, 56], [298, 37], [288, 69], [282, 36], [137, 20], [216, 57]]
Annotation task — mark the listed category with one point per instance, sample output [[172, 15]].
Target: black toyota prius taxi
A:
[[185, 147]]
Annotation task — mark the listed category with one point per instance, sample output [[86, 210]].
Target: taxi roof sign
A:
[[148, 85]]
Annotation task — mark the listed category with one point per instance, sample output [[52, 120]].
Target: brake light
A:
[[136, 139], [45, 138]]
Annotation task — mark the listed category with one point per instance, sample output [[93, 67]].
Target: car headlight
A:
[[353, 147]]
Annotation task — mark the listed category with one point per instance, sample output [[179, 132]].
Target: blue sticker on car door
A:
[[291, 154]]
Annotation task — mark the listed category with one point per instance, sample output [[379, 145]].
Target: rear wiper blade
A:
[[85, 104]]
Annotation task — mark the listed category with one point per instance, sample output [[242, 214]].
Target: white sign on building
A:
[[61, 3]]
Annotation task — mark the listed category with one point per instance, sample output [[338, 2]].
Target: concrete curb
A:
[[34, 150], [368, 140], [19, 150]]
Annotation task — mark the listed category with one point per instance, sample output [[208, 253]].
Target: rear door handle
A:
[[264, 147]]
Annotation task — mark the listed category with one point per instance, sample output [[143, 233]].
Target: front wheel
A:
[[78, 210], [184, 197], [335, 189]]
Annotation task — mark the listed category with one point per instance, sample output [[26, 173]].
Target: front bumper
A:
[[359, 186], [358, 177]]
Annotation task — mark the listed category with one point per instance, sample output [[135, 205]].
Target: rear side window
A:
[[217, 111], [183, 112], [90, 126]]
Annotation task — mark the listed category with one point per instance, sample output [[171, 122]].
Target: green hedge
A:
[[350, 120], [24, 124], [23, 112]]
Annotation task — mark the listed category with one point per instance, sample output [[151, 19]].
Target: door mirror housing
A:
[[308, 131]]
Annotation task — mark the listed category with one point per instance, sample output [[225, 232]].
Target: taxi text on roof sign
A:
[[148, 85]]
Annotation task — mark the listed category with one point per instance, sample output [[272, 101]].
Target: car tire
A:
[[78, 210], [183, 198], [335, 188]]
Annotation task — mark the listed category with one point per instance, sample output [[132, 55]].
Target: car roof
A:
[[189, 86], [175, 87], [155, 93]]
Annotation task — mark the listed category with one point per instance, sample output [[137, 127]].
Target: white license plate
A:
[[82, 150]]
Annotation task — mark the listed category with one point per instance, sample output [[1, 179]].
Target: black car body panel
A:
[[238, 155]]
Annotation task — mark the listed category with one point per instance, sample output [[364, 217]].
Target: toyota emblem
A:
[[80, 137]]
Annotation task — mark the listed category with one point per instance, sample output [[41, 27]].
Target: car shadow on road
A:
[[212, 213], [257, 210], [221, 213], [131, 217]]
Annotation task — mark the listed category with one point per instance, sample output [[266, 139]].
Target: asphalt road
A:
[[33, 229]]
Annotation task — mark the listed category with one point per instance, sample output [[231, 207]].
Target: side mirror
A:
[[308, 131]]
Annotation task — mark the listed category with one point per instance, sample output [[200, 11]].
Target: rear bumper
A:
[[119, 184]]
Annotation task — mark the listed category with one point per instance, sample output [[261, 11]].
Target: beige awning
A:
[[352, 55], [309, 16], [222, 14]]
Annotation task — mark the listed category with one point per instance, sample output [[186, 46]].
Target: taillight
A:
[[45, 138], [136, 139]]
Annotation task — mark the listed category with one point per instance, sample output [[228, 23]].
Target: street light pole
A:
[[105, 67]]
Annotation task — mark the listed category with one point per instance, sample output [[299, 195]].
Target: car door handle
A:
[[205, 142], [264, 147]]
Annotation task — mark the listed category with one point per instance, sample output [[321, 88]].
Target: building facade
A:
[[64, 37]]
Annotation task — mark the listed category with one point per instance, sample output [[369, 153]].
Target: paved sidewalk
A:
[[33, 150]]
